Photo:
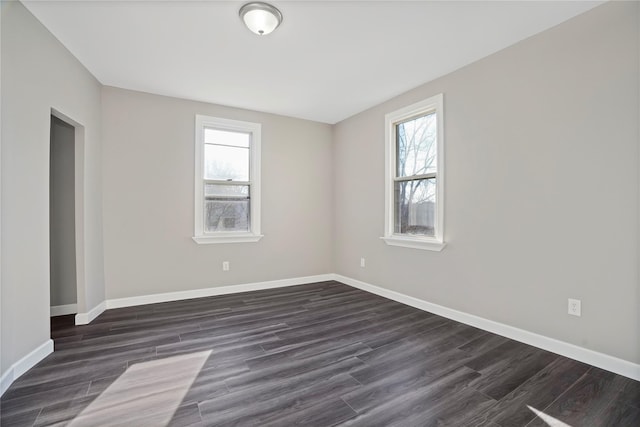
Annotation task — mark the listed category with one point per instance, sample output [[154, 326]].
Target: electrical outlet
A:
[[574, 307], [362, 262], [225, 265]]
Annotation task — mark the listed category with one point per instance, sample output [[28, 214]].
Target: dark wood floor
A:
[[318, 355]]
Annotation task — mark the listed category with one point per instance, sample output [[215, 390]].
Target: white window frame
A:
[[255, 130], [436, 242]]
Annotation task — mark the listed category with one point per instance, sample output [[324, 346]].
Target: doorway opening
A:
[[62, 221]]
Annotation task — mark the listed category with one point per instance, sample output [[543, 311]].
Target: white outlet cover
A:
[[574, 308], [362, 262]]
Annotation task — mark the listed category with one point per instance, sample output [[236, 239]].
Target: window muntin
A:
[[414, 189], [227, 184]]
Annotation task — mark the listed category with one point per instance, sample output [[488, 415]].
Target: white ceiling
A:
[[327, 61]]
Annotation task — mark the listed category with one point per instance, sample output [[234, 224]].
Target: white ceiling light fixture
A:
[[261, 18]]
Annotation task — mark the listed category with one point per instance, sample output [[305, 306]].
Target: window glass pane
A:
[[416, 146], [221, 190], [225, 137], [414, 204], [226, 215], [226, 163]]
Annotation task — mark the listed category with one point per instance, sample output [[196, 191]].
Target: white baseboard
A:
[[62, 310], [581, 354], [220, 290], [601, 360], [24, 364], [86, 318], [45, 349]]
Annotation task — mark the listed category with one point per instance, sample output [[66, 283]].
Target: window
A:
[[227, 181], [414, 176]]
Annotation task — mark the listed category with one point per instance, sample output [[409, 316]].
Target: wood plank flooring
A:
[[322, 354]]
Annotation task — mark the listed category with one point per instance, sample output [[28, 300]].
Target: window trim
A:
[[435, 243], [255, 129]]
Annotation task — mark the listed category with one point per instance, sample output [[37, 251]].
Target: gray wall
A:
[[541, 187], [148, 165], [62, 243], [39, 74]]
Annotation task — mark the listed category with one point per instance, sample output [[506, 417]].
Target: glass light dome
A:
[[260, 18]]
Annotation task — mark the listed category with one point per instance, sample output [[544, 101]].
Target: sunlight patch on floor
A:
[[147, 393], [552, 422]]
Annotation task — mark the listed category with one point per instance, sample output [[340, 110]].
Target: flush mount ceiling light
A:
[[260, 18]]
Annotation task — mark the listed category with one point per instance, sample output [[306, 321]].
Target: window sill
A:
[[228, 238], [428, 244]]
